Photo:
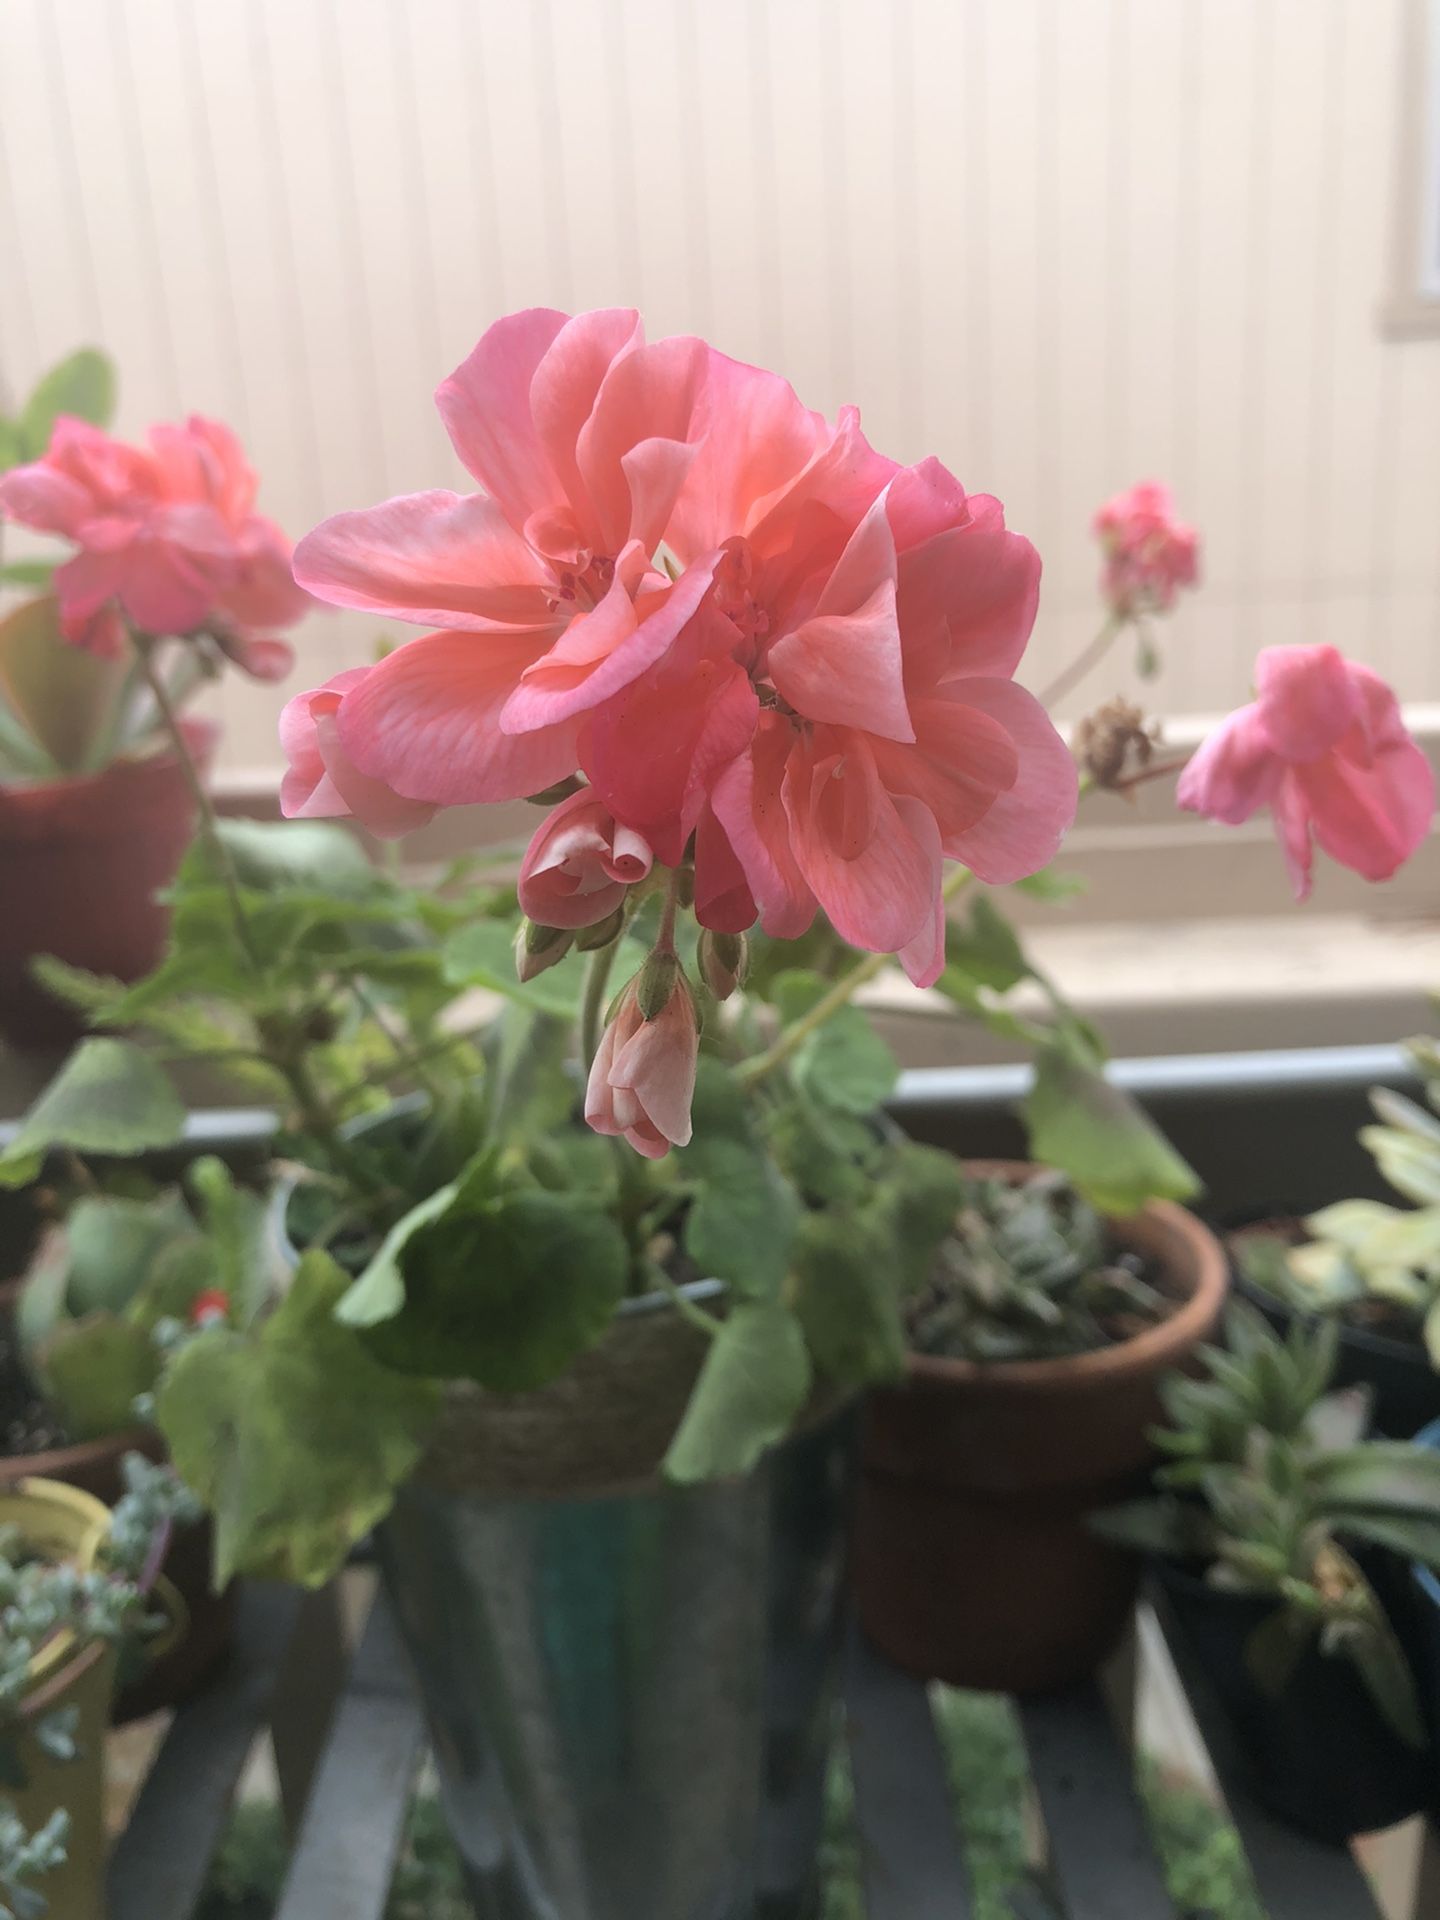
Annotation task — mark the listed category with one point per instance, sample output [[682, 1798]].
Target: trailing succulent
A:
[[40, 1599], [1027, 1271], [1364, 1258], [477, 1231], [123, 1279], [1270, 1488]]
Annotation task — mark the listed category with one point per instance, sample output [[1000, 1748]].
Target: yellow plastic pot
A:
[[60, 1523]]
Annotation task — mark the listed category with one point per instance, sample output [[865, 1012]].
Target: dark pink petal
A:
[[579, 864], [723, 900], [38, 496], [634, 450], [1234, 771], [426, 721], [967, 599], [1370, 819], [563, 395], [263, 659], [1307, 699], [963, 758], [749, 804], [440, 557]]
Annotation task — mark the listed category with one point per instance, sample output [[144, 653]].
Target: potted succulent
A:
[[74, 1584], [112, 1289], [1372, 1267], [1281, 1541], [1036, 1340], [95, 811]]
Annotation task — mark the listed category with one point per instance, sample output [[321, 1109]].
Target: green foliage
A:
[[1026, 1271], [292, 1433], [82, 385], [740, 1225], [753, 1383], [109, 1098], [1288, 1489]]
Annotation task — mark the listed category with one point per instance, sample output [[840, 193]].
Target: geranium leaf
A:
[[754, 1381], [108, 1098], [1112, 1151], [82, 385], [848, 1298]]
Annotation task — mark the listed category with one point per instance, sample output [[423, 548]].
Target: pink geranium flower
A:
[[321, 781], [642, 1080], [580, 864], [1324, 747], [167, 537], [1149, 552], [580, 436]]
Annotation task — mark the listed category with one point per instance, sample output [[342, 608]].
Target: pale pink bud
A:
[[579, 863], [643, 1077]]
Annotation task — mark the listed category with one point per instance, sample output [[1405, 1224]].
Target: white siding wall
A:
[[1063, 243]]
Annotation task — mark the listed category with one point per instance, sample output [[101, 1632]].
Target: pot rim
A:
[[55, 1463], [1383, 1346], [79, 1524], [1168, 1233]]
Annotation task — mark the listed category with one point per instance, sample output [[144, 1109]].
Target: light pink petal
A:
[[1022, 831], [749, 804], [1307, 699], [563, 395], [924, 500], [967, 599], [440, 557], [1291, 810], [579, 864], [37, 496], [657, 1065], [963, 758], [262, 590], [1233, 772], [873, 868], [426, 722], [843, 664], [634, 450], [485, 405], [321, 782], [602, 651], [263, 659]]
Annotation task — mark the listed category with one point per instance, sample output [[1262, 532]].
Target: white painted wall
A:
[[1063, 243]]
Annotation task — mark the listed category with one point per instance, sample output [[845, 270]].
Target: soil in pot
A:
[[81, 863], [1320, 1756], [973, 1560], [1377, 1347]]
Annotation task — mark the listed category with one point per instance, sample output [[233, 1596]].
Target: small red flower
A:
[[211, 1308]]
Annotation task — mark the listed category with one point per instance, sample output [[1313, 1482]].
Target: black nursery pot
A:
[[1406, 1388], [1320, 1757]]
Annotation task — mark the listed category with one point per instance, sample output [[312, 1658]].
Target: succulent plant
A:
[[111, 1285], [1027, 1272], [1288, 1488], [1366, 1259]]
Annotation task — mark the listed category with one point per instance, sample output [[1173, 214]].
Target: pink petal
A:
[[723, 900], [1371, 819], [37, 496], [443, 557], [634, 450], [1307, 699], [749, 804], [967, 599], [657, 1064], [426, 722], [962, 761], [874, 868], [843, 664], [266, 660], [1234, 771], [563, 395], [1292, 823], [321, 782], [1023, 829], [485, 405]]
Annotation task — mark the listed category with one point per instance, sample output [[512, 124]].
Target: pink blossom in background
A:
[[1325, 749], [580, 863], [1149, 552], [321, 782], [167, 537], [642, 1080]]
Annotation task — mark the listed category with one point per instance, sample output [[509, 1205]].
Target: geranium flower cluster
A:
[[167, 538], [1150, 553], [770, 652]]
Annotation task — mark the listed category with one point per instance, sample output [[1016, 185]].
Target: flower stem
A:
[[592, 1006], [1089, 657], [749, 1072], [686, 1307]]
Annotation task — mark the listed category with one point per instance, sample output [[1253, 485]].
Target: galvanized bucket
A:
[[630, 1694]]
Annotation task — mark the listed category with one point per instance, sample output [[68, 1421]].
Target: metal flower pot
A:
[[630, 1692]]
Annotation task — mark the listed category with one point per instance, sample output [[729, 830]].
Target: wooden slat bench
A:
[[347, 1766]]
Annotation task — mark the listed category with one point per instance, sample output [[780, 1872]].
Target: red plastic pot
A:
[[81, 861], [973, 1559]]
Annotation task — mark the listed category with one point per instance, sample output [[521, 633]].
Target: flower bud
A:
[[538, 947], [591, 939], [656, 982], [724, 960]]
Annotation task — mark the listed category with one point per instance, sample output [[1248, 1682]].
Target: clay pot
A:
[[94, 1466], [973, 1562], [81, 861]]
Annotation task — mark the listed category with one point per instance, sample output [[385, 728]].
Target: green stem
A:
[[1088, 658], [592, 1007], [696, 1315], [749, 1072]]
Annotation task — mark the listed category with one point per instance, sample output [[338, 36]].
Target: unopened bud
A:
[[656, 982], [537, 948], [591, 939], [724, 960]]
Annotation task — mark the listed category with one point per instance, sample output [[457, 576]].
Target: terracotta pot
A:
[[94, 1467], [81, 860], [972, 1558]]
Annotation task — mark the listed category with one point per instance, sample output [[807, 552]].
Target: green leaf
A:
[[41, 1305], [94, 1369], [985, 953], [922, 1193], [114, 1244], [1175, 1529], [507, 1293], [293, 1434], [848, 1299], [845, 1064], [278, 855], [379, 1292], [82, 385], [1393, 1474], [26, 573], [741, 1224], [1110, 1149], [753, 1383], [63, 695], [108, 1098], [481, 955], [1050, 885], [237, 1237]]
